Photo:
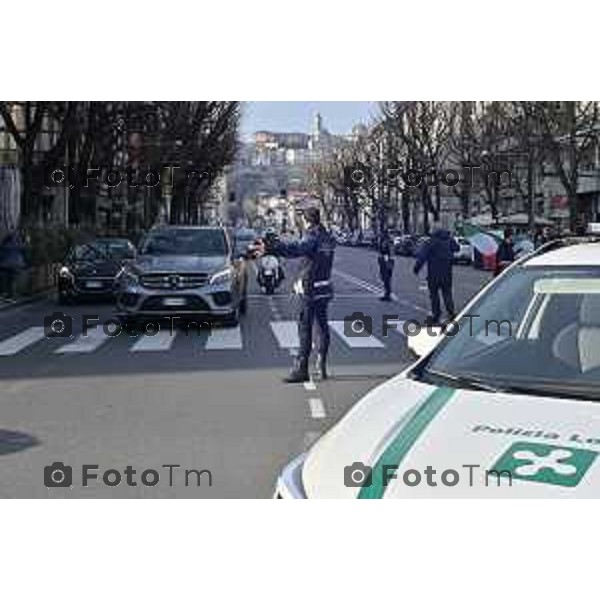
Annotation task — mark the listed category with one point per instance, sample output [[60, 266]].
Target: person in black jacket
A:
[[505, 253], [313, 286], [12, 262], [438, 253], [386, 264]]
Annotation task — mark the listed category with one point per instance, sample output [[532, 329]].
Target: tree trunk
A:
[[405, 211]]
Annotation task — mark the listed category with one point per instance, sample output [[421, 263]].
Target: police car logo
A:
[[543, 463]]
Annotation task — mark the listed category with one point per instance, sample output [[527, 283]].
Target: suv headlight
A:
[[65, 273], [221, 277]]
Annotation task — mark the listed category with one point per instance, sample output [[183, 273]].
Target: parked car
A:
[[90, 269], [368, 239], [465, 253], [188, 271], [405, 245], [420, 242], [523, 246], [353, 239], [519, 401], [343, 237]]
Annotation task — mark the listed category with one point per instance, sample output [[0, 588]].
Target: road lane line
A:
[[310, 437], [317, 409], [286, 333], [370, 287], [21, 340], [85, 344], [310, 386], [355, 342], [163, 340], [225, 339]]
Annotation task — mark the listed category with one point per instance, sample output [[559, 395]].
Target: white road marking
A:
[[163, 340], [229, 338], [85, 343], [286, 333], [317, 409], [355, 342], [310, 386], [365, 285], [310, 437], [21, 340]]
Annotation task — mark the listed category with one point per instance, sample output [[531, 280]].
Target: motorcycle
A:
[[270, 273]]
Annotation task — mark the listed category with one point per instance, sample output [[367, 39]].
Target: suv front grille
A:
[[174, 281]]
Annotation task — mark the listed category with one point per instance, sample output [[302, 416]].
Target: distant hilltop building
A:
[[271, 171], [272, 148]]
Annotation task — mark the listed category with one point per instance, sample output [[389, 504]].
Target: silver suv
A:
[[185, 271]]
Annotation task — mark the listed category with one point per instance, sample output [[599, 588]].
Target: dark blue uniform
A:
[[386, 264], [438, 253], [314, 285]]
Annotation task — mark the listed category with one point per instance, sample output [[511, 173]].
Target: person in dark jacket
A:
[[505, 253], [313, 286], [12, 262], [386, 264], [438, 253]]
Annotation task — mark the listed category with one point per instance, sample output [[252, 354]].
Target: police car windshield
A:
[[537, 330], [185, 242]]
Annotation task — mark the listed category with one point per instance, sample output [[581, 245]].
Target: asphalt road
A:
[[207, 401]]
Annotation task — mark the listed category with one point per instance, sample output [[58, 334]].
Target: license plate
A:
[[93, 284], [268, 273], [174, 302]]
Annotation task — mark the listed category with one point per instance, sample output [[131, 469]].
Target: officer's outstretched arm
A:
[[304, 247]]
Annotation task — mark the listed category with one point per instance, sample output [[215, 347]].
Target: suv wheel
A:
[[232, 319]]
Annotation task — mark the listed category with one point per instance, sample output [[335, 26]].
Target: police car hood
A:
[[518, 446]]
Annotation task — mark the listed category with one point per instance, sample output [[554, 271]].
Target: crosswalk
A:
[[283, 335]]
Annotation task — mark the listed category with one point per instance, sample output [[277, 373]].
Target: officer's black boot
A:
[[321, 366], [299, 373]]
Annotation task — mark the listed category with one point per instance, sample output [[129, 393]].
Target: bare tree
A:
[[569, 133]]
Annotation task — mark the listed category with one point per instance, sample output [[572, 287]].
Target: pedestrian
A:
[[540, 237], [438, 252], [12, 262], [505, 253], [386, 264], [313, 286]]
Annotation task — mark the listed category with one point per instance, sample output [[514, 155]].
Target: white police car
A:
[[505, 404]]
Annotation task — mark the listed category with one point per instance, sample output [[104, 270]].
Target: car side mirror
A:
[[425, 340]]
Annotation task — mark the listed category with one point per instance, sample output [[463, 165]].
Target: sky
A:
[[338, 117]]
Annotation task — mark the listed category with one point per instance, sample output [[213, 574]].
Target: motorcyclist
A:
[[313, 286]]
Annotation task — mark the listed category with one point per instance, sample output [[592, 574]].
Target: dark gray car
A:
[[185, 271]]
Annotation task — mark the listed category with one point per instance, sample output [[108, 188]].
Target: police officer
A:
[[313, 286], [438, 253], [386, 264]]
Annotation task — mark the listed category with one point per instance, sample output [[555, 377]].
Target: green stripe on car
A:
[[405, 439]]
